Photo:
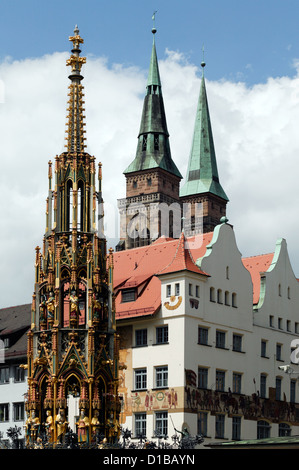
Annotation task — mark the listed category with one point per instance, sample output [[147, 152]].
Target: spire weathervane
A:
[[203, 64], [153, 18]]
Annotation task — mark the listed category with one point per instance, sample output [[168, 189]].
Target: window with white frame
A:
[[203, 334], [128, 295], [237, 342], [220, 339], [161, 424], [161, 376], [162, 334], [220, 380], [18, 411], [278, 388], [263, 385], [141, 337], [140, 379], [202, 423], [19, 374], [278, 352], [140, 424], [237, 382], [219, 426], [236, 428], [284, 429], [263, 348], [263, 429], [4, 375], [203, 377], [4, 412]]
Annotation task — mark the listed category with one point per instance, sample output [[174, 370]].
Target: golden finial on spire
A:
[[76, 39], [75, 60]]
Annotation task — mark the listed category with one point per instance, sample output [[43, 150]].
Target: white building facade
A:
[[208, 359]]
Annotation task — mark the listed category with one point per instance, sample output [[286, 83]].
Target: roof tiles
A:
[[140, 267], [257, 265]]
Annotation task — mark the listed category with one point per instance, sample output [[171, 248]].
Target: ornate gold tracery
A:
[[71, 343]]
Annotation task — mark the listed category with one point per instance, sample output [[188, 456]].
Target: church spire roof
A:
[[153, 149], [202, 173], [154, 75], [75, 125]]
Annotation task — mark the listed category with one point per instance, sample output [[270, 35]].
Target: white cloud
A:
[[255, 134]]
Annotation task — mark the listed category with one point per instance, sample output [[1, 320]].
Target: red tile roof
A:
[[257, 265], [182, 259], [139, 267], [146, 303]]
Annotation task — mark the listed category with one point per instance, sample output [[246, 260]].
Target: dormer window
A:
[[128, 295]]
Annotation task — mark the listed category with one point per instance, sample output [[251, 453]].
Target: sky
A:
[[251, 50]]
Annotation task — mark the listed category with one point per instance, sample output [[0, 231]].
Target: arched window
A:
[[284, 429], [263, 429], [226, 298], [234, 299], [219, 296], [212, 294]]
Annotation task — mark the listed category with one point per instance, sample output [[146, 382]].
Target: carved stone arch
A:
[[64, 296], [41, 305], [42, 286], [81, 197], [82, 274], [68, 204], [101, 384], [73, 380], [46, 394], [65, 272]]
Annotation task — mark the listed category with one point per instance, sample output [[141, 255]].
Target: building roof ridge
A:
[[258, 256]]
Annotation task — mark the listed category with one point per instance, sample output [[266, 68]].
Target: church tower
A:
[[151, 207], [202, 196], [72, 343]]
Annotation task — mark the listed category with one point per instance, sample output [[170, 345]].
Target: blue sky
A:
[[247, 40], [252, 80]]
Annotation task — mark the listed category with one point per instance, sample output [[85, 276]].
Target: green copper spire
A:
[[153, 149], [202, 174]]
